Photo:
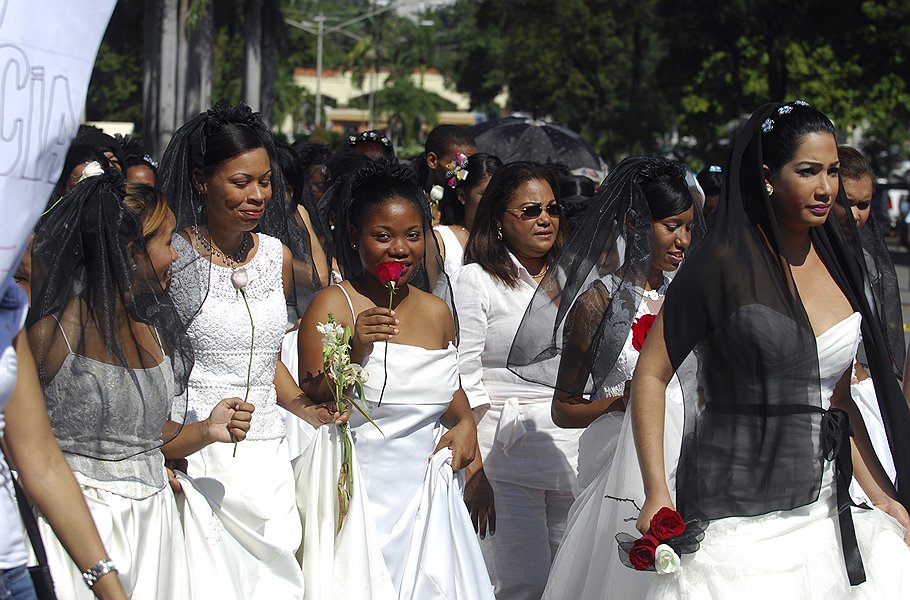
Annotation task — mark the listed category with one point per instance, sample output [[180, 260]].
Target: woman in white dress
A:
[[413, 499], [609, 483], [772, 304], [115, 341], [529, 461], [42, 470], [238, 509]]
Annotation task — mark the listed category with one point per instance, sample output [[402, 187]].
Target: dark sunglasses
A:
[[532, 211]]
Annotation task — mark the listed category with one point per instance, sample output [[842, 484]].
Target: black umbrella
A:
[[516, 138]]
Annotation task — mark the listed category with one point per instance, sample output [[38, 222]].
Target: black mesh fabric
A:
[[753, 440], [92, 304], [185, 154], [580, 316]]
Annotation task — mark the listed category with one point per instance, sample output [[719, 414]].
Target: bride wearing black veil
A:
[[772, 305]]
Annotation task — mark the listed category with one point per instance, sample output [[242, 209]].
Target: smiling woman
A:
[[239, 512], [413, 341]]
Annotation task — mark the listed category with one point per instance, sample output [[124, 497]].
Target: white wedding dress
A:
[[239, 513], [796, 554], [410, 503], [131, 503], [587, 566]]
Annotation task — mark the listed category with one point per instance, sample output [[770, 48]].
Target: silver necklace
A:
[[230, 259]]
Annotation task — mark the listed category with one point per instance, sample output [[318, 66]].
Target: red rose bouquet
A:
[[668, 537]]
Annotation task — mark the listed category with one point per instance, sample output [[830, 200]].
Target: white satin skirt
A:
[[337, 564], [610, 488], [142, 537], [299, 432], [792, 555], [240, 522]]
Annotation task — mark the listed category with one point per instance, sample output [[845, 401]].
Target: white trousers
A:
[[530, 524]]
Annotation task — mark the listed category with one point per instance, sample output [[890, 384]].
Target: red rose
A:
[[640, 329], [389, 272], [666, 524], [642, 553]]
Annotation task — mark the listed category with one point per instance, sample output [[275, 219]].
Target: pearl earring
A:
[[769, 188]]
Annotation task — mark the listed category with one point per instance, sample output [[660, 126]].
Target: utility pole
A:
[[378, 7], [320, 32]]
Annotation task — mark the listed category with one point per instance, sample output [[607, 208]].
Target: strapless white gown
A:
[[406, 504], [796, 554]]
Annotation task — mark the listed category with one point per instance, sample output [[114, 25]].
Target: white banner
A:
[[47, 49]]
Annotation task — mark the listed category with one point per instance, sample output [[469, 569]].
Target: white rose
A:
[[239, 278], [436, 193], [665, 559], [91, 169]]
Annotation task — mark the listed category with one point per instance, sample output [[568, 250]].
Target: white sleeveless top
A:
[[220, 332]]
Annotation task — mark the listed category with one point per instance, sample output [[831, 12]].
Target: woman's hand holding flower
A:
[[230, 420], [653, 504], [318, 415], [377, 324]]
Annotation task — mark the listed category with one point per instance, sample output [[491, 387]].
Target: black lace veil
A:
[[185, 155], [580, 316], [757, 438], [100, 322]]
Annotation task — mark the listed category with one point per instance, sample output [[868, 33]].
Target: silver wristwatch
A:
[[99, 570]]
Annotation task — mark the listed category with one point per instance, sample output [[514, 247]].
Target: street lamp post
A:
[[320, 30]]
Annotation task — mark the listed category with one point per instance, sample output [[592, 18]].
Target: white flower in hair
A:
[[786, 108], [665, 559], [767, 126], [436, 193], [92, 169]]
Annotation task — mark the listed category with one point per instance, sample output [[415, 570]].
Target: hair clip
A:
[[715, 169], [786, 108], [149, 160], [801, 103], [768, 125], [370, 136], [456, 170]]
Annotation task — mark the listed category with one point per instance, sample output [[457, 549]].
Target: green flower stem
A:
[[249, 366], [385, 356]]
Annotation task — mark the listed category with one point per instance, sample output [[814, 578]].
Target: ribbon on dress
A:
[[836, 433], [511, 427]]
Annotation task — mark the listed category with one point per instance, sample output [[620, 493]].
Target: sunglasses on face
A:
[[532, 211]]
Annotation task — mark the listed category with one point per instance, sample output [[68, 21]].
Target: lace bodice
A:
[[220, 332], [108, 419], [615, 383]]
